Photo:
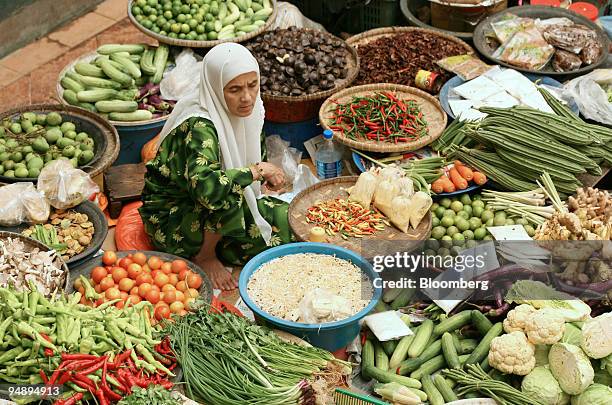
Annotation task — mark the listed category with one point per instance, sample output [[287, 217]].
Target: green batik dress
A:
[[187, 192]]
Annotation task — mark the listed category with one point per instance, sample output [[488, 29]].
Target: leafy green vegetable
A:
[[153, 395], [572, 335], [596, 394]]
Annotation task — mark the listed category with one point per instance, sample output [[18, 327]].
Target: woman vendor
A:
[[202, 196]]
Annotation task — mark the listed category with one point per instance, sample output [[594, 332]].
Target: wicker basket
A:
[[336, 188], [432, 112], [33, 244], [105, 134], [302, 108], [88, 58], [200, 44]]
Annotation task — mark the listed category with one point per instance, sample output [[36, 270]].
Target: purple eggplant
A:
[[158, 103]]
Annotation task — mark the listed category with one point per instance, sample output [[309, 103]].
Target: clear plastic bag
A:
[[288, 15], [571, 38], [508, 25], [466, 67], [319, 305], [64, 186], [526, 49], [590, 95], [36, 207], [565, 61], [184, 78], [21, 202]]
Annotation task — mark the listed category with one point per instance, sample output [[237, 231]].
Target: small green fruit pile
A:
[[31, 141]]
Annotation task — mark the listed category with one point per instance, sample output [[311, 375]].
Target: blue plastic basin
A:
[[330, 336], [133, 138]]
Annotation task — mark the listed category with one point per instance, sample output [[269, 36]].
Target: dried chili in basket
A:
[[346, 218]]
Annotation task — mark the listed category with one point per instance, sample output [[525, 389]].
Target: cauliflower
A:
[[512, 354], [597, 336], [541, 385], [516, 319], [571, 368], [545, 327]]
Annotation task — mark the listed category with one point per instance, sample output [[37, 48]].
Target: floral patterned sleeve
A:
[[209, 184]]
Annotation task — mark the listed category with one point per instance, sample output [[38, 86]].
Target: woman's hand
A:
[[274, 177]]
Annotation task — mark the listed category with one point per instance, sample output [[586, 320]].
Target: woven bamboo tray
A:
[[103, 133], [373, 35], [185, 43], [32, 244], [336, 188], [432, 112], [88, 58], [301, 108]]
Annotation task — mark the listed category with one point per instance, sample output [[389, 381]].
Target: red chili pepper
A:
[[71, 400], [120, 359], [48, 352], [172, 367], [167, 384], [101, 398], [84, 383], [94, 367], [43, 376], [79, 364], [64, 378], [66, 356], [56, 373]]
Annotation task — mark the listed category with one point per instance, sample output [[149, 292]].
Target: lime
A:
[[455, 250], [182, 35], [27, 149], [8, 165], [475, 223], [476, 197], [185, 28], [486, 215], [456, 206], [490, 222], [529, 229], [499, 220], [445, 242], [478, 203], [477, 211], [458, 239], [465, 199], [452, 230], [21, 172], [447, 221], [510, 221], [432, 244], [200, 29], [468, 209], [35, 163], [1, 169], [191, 36], [445, 202], [9, 173], [438, 232], [16, 128], [471, 244], [147, 24], [172, 35], [488, 237], [501, 214], [176, 28], [435, 221], [181, 18], [434, 206], [449, 213], [468, 235], [168, 15], [439, 211], [443, 251], [462, 224], [70, 134], [17, 156], [33, 172], [41, 119], [480, 233], [85, 157], [202, 37], [463, 214], [193, 23], [185, 9], [4, 156]]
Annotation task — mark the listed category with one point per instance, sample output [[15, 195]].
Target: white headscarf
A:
[[239, 138]]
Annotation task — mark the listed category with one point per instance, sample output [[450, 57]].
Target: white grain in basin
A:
[[278, 286]]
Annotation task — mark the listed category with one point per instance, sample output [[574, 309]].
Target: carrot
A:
[[464, 171], [458, 163], [479, 178], [448, 185], [438, 185], [457, 180]]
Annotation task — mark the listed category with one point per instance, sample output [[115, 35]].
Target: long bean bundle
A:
[[226, 360], [474, 379]]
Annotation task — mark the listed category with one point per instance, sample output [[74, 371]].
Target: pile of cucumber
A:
[[112, 84], [202, 20], [31, 141], [415, 361]]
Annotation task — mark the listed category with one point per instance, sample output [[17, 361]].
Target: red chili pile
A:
[[105, 379], [381, 117], [345, 217]]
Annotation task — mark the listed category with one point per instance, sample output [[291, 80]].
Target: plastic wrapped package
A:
[[549, 22], [466, 67], [565, 61], [21, 202], [572, 38], [508, 25], [591, 52], [184, 78], [526, 49], [288, 15], [320, 305], [64, 186], [36, 207], [590, 95]]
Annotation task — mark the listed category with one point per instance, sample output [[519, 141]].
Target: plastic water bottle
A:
[[328, 158]]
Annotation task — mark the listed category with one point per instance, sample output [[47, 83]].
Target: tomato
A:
[[161, 280], [182, 286], [134, 290], [146, 268], [120, 305], [173, 279], [143, 289], [139, 258], [166, 268], [162, 312], [192, 293], [98, 289], [183, 313], [99, 302], [134, 299], [81, 290], [123, 295], [98, 273], [134, 270], [112, 293], [156, 288], [169, 297], [109, 258], [194, 280], [77, 284], [183, 274], [154, 273], [188, 302], [82, 300], [125, 262], [144, 278], [119, 273], [179, 295], [154, 262], [152, 296], [126, 284], [178, 265], [177, 307], [168, 287], [106, 283]]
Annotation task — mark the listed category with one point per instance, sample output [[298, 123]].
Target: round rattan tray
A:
[[88, 58], [200, 44], [32, 244], [372, 35], [103, 133], [432, 112], [337, 188]]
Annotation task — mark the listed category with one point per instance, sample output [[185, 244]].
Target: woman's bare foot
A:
[[219, 276]]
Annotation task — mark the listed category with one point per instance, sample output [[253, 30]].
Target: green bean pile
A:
[[228, 360]]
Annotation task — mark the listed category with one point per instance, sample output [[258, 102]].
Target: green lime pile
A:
[[31, 141], [202, 20], [460, 222]]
